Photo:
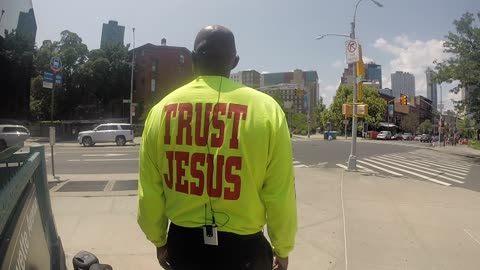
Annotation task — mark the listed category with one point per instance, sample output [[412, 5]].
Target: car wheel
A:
[[3, 145], [120, 140], [87, 141]]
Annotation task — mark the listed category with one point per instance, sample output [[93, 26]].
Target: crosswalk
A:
[[298, 164], [419, 164]]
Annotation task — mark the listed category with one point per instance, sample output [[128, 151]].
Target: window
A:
[[153, 85], [102, 127], [126, 127], [112, 127], [154, 66], [15, 129], [182, 59]]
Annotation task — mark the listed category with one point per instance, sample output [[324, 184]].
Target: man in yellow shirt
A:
[[216, 161]]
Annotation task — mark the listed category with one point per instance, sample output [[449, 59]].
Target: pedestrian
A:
[[216, 162]]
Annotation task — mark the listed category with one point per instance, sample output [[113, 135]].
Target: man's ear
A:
[[235, 63]]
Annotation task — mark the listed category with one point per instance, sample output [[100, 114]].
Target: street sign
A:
[[48, 77], [305, 102], [352, 51], [362, 110], [47, 85], [55, 64], [126, 101], [58, 79], [390, 110]]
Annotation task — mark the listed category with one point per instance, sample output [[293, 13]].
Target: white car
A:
[[119, 133], [12, 135], [384, 135]]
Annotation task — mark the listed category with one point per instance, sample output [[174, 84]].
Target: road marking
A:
[[104, 155], [444, 161], [296, 162], [380, 168], [429, 164], [471, 236], [102, 159], [409, 166], [342, 166], [409, 172], [300, 166], [365, 168]]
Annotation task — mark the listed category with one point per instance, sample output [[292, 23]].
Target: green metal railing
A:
[[17, 171]]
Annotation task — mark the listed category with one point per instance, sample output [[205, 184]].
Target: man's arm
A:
[[151, 197], [278, 191]]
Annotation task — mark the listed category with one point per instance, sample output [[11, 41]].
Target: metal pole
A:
[[352, 159], [131, 78], [51, 121], [440, 121]]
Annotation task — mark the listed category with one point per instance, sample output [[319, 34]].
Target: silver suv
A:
[[12, 135], [119, 133]]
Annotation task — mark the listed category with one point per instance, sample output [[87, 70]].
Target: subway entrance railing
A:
[[28, 234]]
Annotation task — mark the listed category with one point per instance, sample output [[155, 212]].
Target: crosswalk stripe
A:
[[365, 168], [434, 162], [449, 169], [342, 166], [379, 168], [296, 162], [410, 172], [300, 166], [409, 166], [443, 161]]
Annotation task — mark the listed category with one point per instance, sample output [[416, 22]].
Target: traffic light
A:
[[404, 100], [299, 92]]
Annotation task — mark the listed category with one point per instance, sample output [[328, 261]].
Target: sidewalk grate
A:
[[82, 186], [125, 185]]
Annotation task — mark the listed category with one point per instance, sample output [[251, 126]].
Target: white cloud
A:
[[367, 59], [328, 92], [412, 56]]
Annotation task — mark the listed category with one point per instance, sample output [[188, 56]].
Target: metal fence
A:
[[24, 198]]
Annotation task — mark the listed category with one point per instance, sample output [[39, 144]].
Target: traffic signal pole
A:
[[352, 159]]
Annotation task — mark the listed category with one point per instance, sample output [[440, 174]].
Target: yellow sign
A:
[[362, 110]]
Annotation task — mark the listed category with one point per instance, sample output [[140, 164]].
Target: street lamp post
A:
[[131, 78], [352, 159]]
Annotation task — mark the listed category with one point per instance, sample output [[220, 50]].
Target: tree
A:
[[409, 123], [299, 122], [466, 127], [464, 64], [318, 110], [425, 127], [376, 106]]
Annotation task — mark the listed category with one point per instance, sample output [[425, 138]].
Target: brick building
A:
[[158, 71]]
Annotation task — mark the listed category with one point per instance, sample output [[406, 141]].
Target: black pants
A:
[[187, 251]]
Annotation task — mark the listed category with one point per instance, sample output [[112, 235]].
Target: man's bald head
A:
[[214, 51]]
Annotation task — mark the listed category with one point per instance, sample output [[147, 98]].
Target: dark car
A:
[[426, 138]]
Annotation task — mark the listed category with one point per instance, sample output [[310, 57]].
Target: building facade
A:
[[112, 34], [373, 74], [18, 29], [250, 78], [431, 88], [305, 80], [403, 83], [158, 71]]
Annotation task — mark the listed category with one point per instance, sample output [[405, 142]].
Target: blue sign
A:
[[55, 64], [305, 102], [58, 79], [390, 109], [48, 77]]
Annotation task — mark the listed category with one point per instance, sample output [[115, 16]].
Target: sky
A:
[[277, 35]]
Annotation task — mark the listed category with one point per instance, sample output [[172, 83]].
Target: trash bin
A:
[[327, 134]]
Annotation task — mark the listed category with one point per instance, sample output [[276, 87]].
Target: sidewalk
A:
[[390, 223], [461, 150]]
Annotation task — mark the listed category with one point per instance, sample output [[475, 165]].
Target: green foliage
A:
[[425, 127], [299, 121], [93, 80], [464, 63], [376, 107], [466, 127], [474, 144], [409, 123], [318, 113]]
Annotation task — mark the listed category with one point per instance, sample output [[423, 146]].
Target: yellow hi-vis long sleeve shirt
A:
[[214, 139]]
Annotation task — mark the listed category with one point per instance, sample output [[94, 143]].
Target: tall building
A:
[[373, 74], [112, 34], [431, 88], [403, 83], [250, 78], [27, 25], [306, 80], [158, 71]]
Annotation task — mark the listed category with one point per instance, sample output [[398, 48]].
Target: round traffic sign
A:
[[55, 64], [352, 46]]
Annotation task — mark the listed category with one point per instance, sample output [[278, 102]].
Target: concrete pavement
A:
[[345, 218]]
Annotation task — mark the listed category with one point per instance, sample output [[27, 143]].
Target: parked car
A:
[[425, 138], [112, 132], [417, 138], [384, 135], [407, 136], [397, 136], [12, 135]]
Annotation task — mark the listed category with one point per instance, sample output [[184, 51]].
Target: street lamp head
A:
[[320, 37], [377, 3]]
